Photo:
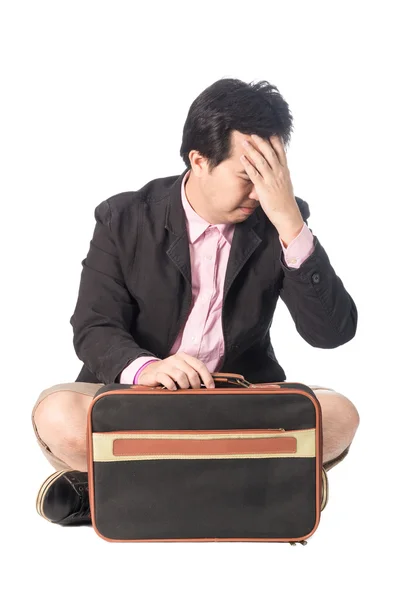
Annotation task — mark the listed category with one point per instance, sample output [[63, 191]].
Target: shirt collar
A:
[[196, 225]]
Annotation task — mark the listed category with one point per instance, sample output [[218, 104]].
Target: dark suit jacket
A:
[[135, 288]]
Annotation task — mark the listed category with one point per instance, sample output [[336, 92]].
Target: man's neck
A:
[[194, 197]]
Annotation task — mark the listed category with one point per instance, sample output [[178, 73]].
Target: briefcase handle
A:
[[224, 378], [233, 378], [239, 380], [230, 378]]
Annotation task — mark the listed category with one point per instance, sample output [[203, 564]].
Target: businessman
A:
[[182, 278]]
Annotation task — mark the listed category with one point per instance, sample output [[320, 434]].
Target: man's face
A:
[[221, 193]]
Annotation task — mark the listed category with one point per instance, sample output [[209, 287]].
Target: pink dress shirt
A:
[[201, 336]]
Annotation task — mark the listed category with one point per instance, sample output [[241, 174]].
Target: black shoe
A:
[[64, 498]]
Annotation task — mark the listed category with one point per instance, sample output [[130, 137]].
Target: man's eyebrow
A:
[[242, 173]]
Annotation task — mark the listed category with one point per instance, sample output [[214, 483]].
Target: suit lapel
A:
[[244, 243], [175, 224]]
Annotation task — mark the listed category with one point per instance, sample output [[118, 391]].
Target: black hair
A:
[[231, 104]]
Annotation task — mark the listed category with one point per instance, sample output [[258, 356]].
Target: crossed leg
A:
[[59, 420], [340, 421]]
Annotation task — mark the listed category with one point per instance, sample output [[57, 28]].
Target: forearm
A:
[[324, 313]]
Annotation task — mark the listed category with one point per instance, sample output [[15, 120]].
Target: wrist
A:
[[290, 230], [142, 369]]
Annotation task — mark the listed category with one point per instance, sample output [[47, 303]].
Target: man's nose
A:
[[253, 195]]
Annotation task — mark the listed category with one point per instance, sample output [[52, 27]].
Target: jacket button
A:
[[315, 277]]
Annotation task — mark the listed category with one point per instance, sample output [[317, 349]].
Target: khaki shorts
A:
[[90, 389]]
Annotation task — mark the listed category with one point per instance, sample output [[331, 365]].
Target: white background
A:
[[93, 102]]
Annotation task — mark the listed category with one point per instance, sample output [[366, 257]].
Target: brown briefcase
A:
[[240, 462]]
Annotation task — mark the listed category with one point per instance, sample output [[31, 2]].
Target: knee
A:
[[339, 415], [346, 415], [351, 413], [56, 422]]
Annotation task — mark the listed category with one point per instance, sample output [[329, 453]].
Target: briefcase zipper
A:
[[192, 444]]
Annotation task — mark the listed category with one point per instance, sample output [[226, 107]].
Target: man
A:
[[182, 278]]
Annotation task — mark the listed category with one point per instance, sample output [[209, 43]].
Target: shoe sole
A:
[[44, 489]]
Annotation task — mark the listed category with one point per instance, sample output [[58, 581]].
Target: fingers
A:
[[184, 370], [185, 376], [165, 380], [173, 377], [272, 149], [264, 158], [200, 369], [180, 370], [206, 377], [277, 143]]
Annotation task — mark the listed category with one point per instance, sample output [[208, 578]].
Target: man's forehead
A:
[[238, 139]]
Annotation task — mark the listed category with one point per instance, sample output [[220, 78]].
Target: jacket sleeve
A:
[[105, 310], [323, 311]]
